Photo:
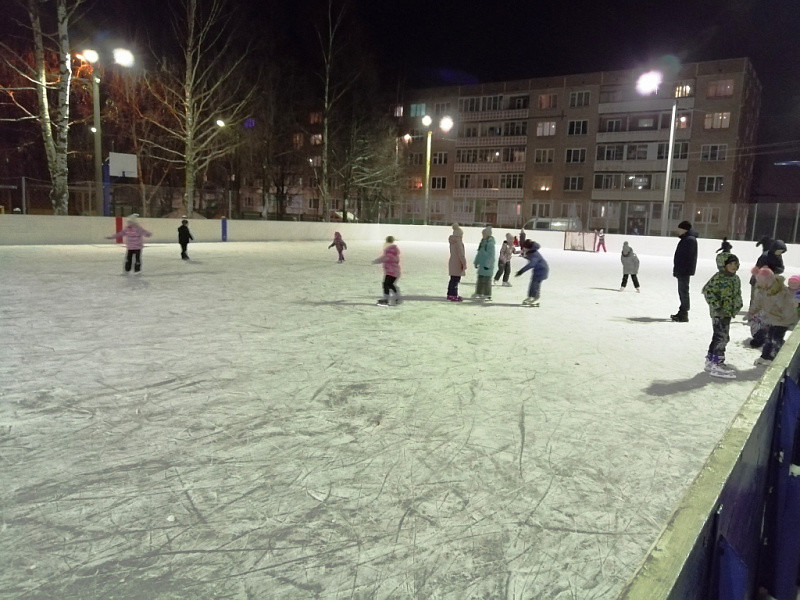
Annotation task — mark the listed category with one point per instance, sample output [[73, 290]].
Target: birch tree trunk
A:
[[54, 134]]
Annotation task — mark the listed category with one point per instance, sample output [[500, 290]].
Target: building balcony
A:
[[494, 115], [639, 166], [658, 135], [496, 167], [644, 104], [488, 193], [495, 140], [630, 195]]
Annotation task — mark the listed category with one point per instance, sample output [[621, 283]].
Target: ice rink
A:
[[250, 425]]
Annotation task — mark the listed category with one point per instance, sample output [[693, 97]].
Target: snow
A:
[[249, 424]]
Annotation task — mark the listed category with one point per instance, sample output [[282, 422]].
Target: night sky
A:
[[421, 43]]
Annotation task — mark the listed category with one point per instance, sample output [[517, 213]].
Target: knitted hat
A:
[[763, 275], [626, 249], [793, 283], [731, 259], [389, 239], [685, 225], [726, 246], [487, 231], [184, 222], [133, 218], [509, 238], [457, 231]]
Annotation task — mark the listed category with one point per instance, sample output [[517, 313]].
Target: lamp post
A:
[[123, 58], [445, 124], [648, 84]]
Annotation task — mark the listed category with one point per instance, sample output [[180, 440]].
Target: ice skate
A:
[[530, 301], [622, 289], [398, 300], [455, 298], [762, 362], [680, 317], [506, 284], [638, 291], [384, 301], [719, 370]]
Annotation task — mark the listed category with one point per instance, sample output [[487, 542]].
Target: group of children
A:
[[773, 305], [134, 235]]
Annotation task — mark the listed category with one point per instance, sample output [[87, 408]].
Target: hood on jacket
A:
[[777, 245]]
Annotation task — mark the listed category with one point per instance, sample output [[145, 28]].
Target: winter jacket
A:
[[685, 260], [777, 302], [630, 262], [184, 235], [390, 260], [536, 262], [770, 260], [458, 257], [484, 259], [506, 250], [723, 293], [338, 242], [133, 235]]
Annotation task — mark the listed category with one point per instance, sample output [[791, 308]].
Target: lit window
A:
[[720, 120], [546, 128], [316, 139], [315, 117], [548, 101]]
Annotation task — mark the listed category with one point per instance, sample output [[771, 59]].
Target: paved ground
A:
[[250, 425]]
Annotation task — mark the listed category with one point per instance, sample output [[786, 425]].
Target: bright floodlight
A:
[[648, 83], [220, 123], [426, 120], [123, 57], [446, 124], [407, 138], [91, 55]]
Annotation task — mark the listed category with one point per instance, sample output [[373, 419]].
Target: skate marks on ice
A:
[[223, 436]]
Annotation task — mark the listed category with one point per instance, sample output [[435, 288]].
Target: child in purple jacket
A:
[[134, 242], [338, 242]]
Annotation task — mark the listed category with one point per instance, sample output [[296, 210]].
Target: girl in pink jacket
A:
[[134, 242], [391, 271]]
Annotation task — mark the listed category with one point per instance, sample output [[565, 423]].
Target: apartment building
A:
[[586, 147]]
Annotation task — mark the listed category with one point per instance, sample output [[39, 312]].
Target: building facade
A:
[[588, 148]]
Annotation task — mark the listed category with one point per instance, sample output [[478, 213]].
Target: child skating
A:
[[601, 241], [338, 242], [540, 270], [630, 266], [457, 265], [504, 260], [390, 258], [779, 309], [184, 235], [134, 242], [484, 262], [723, 292]]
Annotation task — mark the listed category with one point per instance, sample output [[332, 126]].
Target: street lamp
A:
[[123, 58], [445, 124], [647, 84]]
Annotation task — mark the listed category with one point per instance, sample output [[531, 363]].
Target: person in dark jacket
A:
[[184, 235], [683, 267]]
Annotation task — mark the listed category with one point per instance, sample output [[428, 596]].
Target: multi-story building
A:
[[586, 147]]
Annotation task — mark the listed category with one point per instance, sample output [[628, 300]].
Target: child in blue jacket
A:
[[540, 268]]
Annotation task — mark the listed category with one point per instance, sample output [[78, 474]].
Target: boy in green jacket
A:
[[723, 292]]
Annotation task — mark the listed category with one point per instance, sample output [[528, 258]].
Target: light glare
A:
[[90, 55], [446, 124], [123, 57], [426, 120], [648, 83]]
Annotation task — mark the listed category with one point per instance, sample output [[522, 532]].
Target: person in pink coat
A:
[[458, 263], [391, 271], [134, 235], [338, 242]]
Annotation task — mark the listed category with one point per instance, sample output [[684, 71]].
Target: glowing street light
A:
[[648, 84], [123, 58], [445, 124]]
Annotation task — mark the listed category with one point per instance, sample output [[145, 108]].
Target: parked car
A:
[[554, 224]]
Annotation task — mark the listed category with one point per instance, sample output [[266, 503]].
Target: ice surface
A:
[[250, 424]]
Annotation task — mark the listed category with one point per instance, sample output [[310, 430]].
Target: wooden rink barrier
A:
[[729, 499]]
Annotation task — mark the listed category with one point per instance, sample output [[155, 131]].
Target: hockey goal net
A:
[[580, 240]]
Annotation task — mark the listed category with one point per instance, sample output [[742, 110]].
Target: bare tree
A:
[[49, 76], [210, 88]]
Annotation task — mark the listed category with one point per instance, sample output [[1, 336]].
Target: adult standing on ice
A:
[[134, 242], [684, 265], [458, 262], [184, 235], [484, 262], [390, 258]]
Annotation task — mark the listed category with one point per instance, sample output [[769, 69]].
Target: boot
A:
[[680, 317]]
